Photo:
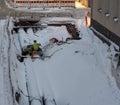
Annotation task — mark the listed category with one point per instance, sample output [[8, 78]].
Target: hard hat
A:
[[35, 41]]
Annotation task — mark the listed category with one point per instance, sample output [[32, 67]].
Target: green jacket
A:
[[36, 46]]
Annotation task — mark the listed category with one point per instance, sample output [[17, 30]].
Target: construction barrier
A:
[[44, 3]]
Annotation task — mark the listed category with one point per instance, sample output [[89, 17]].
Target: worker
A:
[[37, 48]]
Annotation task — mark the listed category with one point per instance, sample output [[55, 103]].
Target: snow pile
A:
[[78, 73]]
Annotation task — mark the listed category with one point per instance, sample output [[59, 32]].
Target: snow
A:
[[79, 72], [5, 90]]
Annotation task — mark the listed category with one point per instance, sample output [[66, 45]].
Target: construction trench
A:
[[71, 28], [35, 26], [30, 18]]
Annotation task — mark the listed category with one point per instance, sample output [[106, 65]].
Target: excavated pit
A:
[[35, 25]]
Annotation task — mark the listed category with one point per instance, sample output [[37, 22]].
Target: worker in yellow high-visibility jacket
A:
[[37, 48]]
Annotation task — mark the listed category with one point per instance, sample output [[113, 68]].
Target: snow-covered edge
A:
[[108, 40]]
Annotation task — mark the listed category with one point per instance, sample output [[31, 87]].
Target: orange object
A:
[[86, 20], [33, 53]]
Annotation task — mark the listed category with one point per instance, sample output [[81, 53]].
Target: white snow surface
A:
[[78, 73]]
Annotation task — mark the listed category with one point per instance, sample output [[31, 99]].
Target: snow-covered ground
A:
[[78, 73]]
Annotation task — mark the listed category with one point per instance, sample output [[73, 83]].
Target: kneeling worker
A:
[[37, 48]]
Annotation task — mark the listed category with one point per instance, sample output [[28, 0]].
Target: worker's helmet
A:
[[35, 41]]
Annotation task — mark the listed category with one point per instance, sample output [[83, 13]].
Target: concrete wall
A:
[[112, 7], [80, 13]]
